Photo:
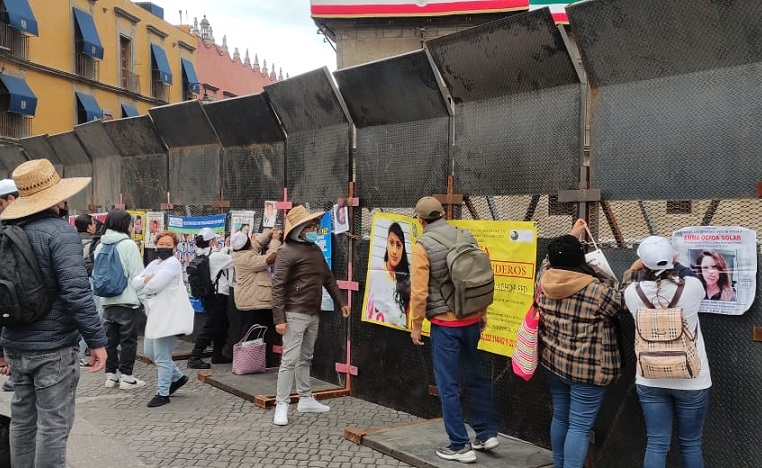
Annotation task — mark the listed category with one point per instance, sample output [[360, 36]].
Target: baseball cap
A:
[[238, 240], [429, 208], [7, 186], [656, 253], [206, 234]]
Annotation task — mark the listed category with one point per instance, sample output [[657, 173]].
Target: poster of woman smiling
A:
[[724, 259]]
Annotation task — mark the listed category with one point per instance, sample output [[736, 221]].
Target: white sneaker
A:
[[488, 444], [129, 382], [111, 380], [281, 414], [311, 405]]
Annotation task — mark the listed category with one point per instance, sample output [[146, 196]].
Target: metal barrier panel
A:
[[399, 163], [38, 147], [676, 87], [195, 174], [317, 164], [253, 174], [107, 164], [243, 121], [504, 144], [76, 163], [145, 165], [10, 157], [183, 124], [396, 90]]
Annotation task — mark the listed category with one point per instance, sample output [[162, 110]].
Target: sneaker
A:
[[311, 405], [488, 444], [129, 382], [281, 414], [158, 400], [111, 380], [175, 386], [198, 363], [464, 455], [221, 359]]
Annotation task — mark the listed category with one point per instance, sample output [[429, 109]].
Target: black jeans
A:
[[215, 331], [121, 326], [272, 338]]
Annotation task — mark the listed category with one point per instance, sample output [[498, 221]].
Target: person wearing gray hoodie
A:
[[120, 313]]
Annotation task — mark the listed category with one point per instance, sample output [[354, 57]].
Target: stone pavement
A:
[[206, 427]]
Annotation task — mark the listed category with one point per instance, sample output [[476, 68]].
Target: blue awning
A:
[[90, 106], [128, 110], [21, 16], [22, 99], [190, 76], [160, 62], [91, 43]]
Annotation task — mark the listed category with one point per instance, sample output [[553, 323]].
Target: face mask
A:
[[311, 237], [164, 253]]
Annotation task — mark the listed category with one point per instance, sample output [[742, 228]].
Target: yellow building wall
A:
[[55, 51]]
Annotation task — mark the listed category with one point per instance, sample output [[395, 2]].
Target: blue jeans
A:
[[160, 352], [453, 349], [42, 408], [659, 407], [575, 407]]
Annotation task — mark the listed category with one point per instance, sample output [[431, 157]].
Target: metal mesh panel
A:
[[504, 144], [253, 174], [317, 164], [398, 164], [700, 123], [194, 174], [144, 180]]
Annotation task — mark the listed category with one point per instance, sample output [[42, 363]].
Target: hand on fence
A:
[[578, 229]]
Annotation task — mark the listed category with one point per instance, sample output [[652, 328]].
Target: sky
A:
[[279, 31]]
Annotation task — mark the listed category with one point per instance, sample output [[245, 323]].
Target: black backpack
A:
[[200, 277], [24, 296]]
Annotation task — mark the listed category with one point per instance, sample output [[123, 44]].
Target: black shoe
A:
[[158, 400], [198, 363], [221, 359], [175, 386]]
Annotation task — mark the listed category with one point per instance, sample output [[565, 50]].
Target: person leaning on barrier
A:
[[454, 341], [578, 344], [43, 357]]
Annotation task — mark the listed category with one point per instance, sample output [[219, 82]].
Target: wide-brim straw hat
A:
[[40, 187], [298, 216]]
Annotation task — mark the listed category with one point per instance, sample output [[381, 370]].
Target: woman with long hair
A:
[[390, 287], [712, 270]]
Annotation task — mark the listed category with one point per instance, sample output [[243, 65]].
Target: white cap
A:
[[207, 234], [239, 240], [656, 253], [7, 186]]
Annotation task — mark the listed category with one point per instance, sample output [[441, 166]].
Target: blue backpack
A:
[[109, 279]]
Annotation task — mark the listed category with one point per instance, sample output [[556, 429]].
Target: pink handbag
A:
[[249, 355], [525, 355]]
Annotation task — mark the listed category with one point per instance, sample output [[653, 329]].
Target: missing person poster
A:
[[138, 228], [724, 258], [241, 221], [187, 228], [324, 242], [155, 223]]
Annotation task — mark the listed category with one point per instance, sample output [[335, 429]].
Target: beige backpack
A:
[[664, 347]]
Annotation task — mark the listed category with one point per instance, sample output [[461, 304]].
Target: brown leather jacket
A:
[[300, 273]]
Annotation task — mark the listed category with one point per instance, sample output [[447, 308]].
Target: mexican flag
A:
[[557, 8]]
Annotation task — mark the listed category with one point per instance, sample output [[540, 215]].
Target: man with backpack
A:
[[40, 334], [209, 275], [455, 328], [117, 262]]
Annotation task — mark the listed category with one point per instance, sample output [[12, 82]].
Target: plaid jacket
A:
[[577, 334]]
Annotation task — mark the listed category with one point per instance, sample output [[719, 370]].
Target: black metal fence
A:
[[654, 103]]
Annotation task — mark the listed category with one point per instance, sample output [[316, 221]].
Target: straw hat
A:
[[40, 187], [299, 215]]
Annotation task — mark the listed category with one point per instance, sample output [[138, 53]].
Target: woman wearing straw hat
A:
[[297, 288], [43, 356]]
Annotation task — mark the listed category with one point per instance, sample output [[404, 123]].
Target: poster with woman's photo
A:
[[340, 219], [387, 290], [138, 228], [725, 260], [155, 225], [241, 221]]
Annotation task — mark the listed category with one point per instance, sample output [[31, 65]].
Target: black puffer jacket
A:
[[59, 253]]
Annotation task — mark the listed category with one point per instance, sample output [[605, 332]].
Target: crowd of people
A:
[[276, 279]]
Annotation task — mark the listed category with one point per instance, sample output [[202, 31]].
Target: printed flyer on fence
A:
[[241, 221], [324, 242], [188, 227], [155, 222], [387, 285], [724, 258], [138, 228]]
